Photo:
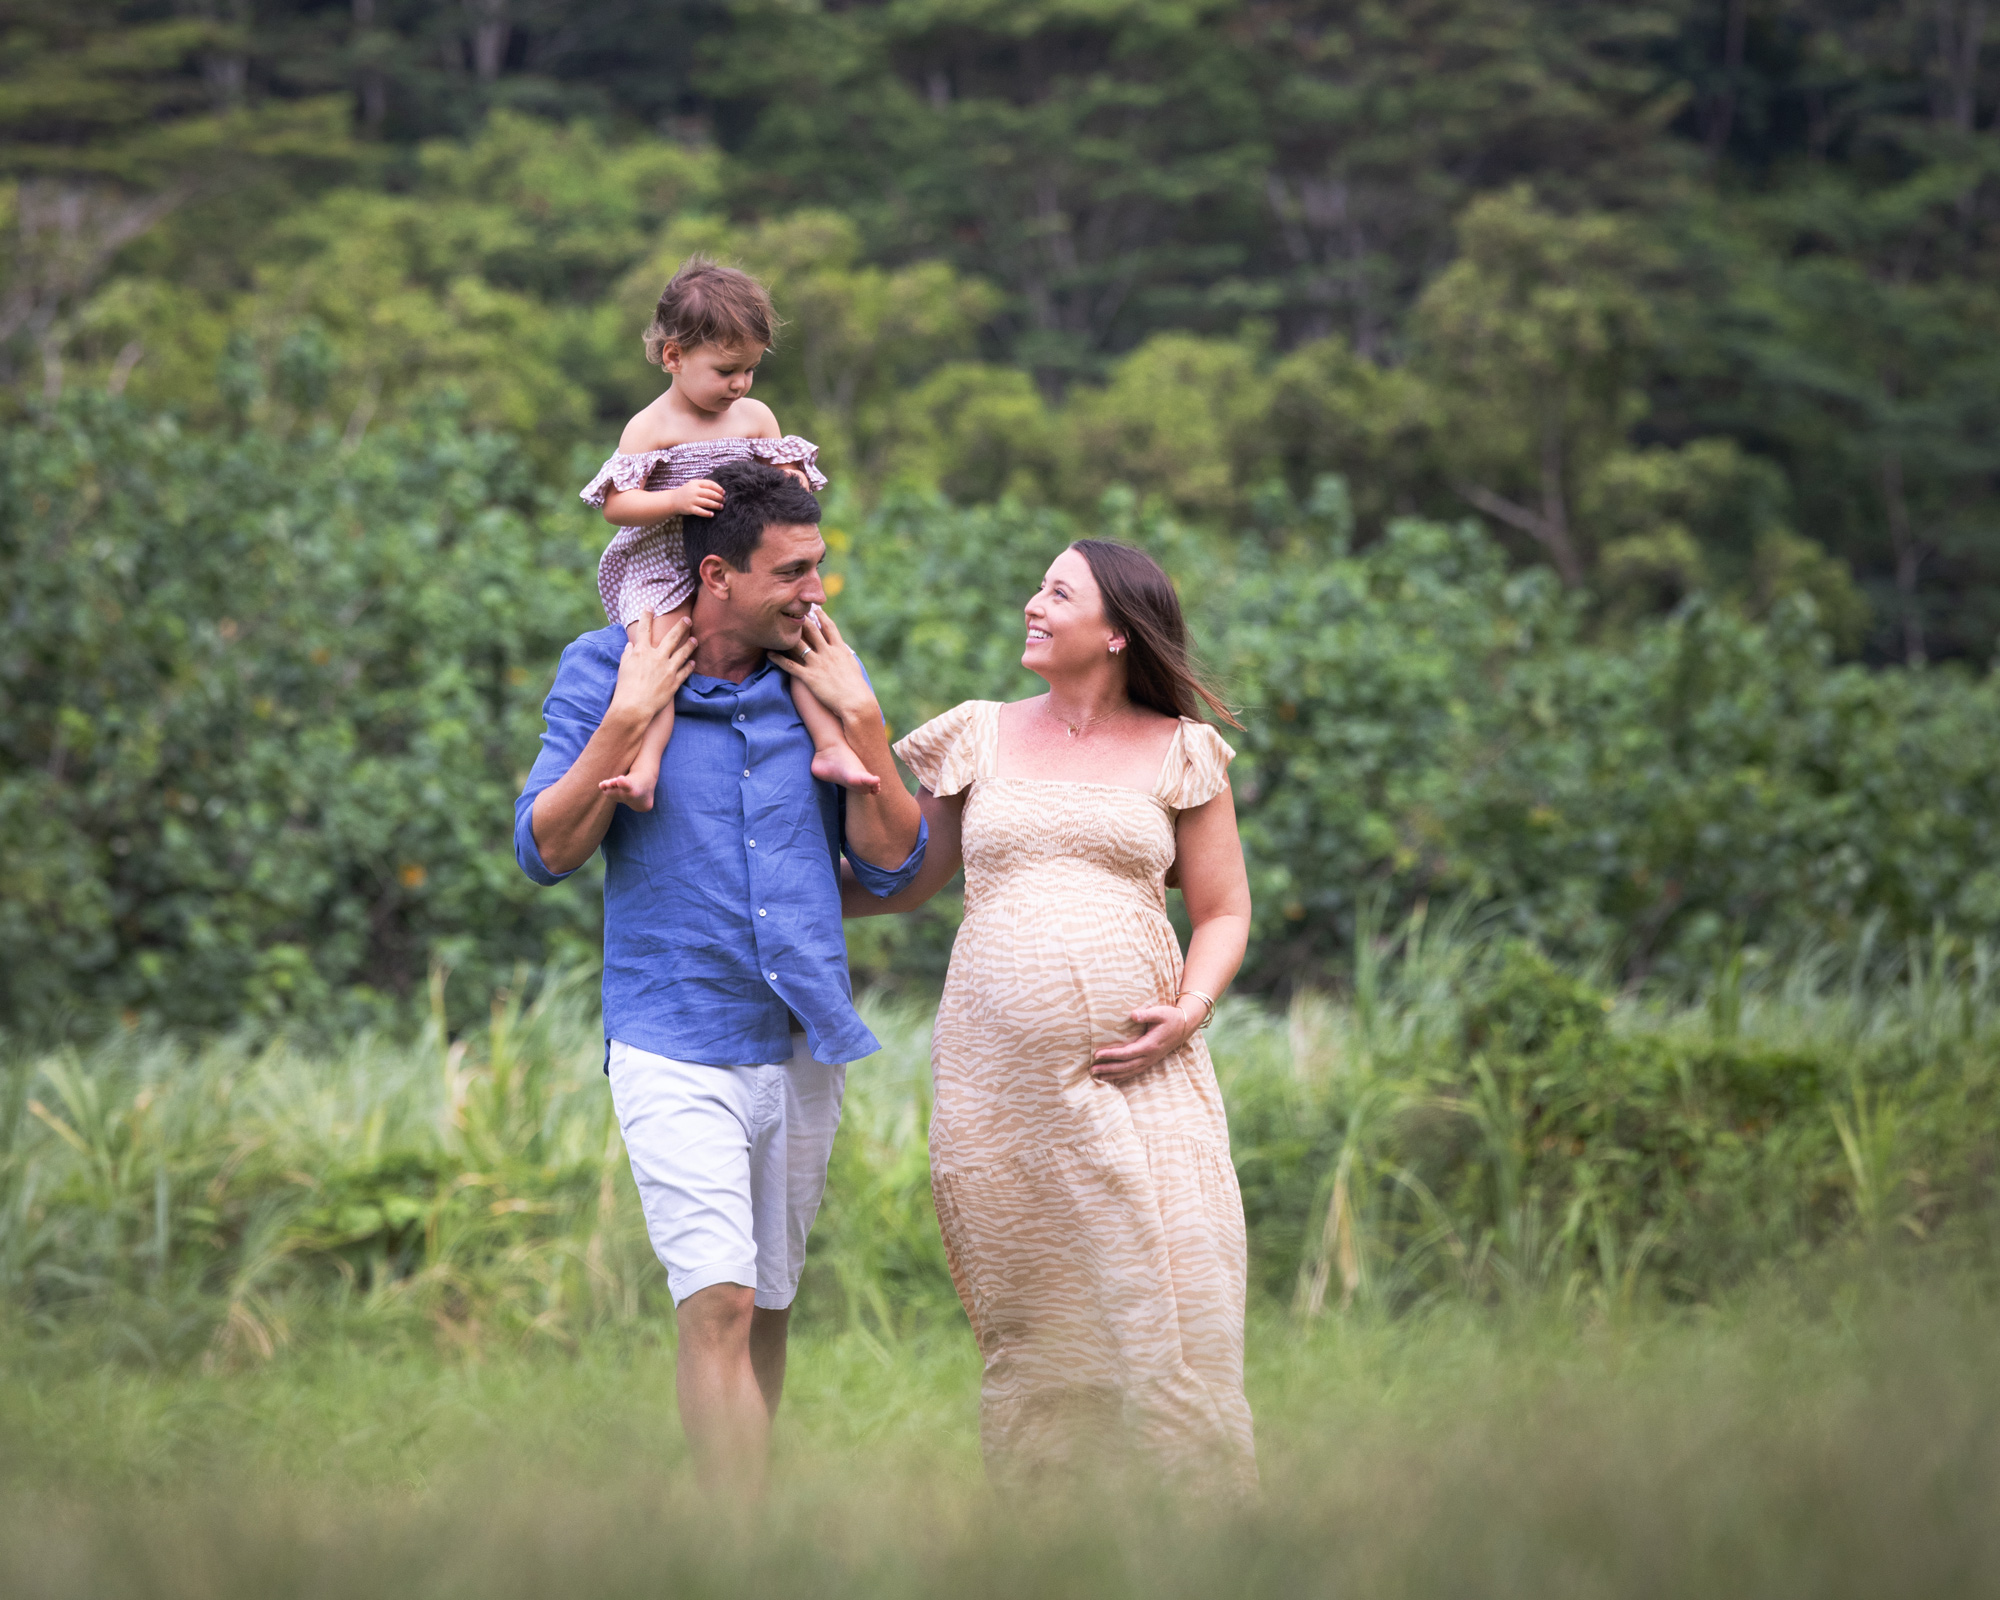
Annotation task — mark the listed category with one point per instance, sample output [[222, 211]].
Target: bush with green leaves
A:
[[264, 706], [1471, 1122], [1424, 720], [266, 700]]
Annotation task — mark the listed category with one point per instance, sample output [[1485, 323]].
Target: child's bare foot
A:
[[838, 764], [631, 790]]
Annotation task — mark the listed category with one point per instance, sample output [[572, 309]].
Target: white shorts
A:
[[730, 1164]]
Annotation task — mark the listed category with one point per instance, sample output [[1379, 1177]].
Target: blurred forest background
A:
[[1575, 427]]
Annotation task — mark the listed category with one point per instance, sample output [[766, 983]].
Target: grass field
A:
[[1791, 1442], [1558, 1293]]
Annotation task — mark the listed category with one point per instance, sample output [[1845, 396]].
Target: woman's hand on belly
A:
[[1164, 1028]]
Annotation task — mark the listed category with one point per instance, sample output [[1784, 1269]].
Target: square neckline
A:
[[994, 775]]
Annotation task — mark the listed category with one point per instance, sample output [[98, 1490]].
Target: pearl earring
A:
[[1116, 648]]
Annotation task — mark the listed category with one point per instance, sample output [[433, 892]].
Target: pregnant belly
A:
[[1034, 990]]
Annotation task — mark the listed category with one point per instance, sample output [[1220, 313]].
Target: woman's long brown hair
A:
[[1139, 601]]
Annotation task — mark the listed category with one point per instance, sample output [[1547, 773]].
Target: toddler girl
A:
[[710, 329]]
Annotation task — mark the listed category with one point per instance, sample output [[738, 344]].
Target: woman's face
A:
[[1067, 629]]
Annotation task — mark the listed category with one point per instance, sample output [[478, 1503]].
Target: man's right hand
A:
[[649, 674], [571, 815]]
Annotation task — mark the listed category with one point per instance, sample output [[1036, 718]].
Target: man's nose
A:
[[814, 591]]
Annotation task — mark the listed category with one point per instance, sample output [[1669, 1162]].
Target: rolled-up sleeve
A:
[[571, 714], [882, 882]]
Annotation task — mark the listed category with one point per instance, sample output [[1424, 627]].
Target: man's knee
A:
[[718, 1317]]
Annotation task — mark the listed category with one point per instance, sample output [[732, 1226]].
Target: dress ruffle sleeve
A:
[[1204, 767], [790, 451], [621, 472], [683, 463], [944, 752]]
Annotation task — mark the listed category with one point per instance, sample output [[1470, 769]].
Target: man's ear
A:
[[715, 574]]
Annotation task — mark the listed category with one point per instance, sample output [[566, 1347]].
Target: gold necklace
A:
[[1078, 729]]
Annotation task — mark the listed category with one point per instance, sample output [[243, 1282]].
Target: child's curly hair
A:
[[709, 304]]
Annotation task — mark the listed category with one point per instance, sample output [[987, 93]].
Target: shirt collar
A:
[[702, 685]]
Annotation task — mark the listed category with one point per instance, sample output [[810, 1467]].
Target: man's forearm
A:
[[881, 827], [571, 815]]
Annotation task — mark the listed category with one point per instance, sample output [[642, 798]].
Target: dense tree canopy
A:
[[1691, 309], [1512, 257]]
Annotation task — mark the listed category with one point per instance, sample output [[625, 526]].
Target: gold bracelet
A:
[[1207, 999]]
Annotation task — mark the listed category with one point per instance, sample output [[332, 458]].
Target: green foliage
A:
[[1550, 263], [1421, 719], [260, 758], [1793, 1441], [1471, 1122], [490, 275], [266, 703]]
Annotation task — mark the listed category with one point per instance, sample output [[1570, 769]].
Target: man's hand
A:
[[571, 815], [702, 498], [824, 664], [650, 675], [882, 826]]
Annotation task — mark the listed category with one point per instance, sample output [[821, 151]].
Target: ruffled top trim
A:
[[952, 752], [683, 463], [948, 753]]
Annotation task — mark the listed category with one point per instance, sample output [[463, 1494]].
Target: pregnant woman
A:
[[1079, 1154]]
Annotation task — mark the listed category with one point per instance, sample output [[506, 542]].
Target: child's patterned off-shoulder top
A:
[[645, 569]]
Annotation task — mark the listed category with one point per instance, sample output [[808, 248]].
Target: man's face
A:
[[768, 604]]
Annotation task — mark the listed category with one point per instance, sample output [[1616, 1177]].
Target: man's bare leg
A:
[[767, 1354], [725, 1406]]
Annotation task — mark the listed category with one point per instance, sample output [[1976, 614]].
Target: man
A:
[[728, 1016]]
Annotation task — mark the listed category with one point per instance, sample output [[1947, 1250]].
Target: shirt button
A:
[[760, 911], [746, 772], [753, 844], [773, 977], [742, 716]]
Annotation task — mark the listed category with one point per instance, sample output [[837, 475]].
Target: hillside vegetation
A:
[[1572, 426]]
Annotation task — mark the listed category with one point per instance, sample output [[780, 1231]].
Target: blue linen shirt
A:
[[722, 903]]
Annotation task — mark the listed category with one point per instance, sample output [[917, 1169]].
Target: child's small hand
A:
[[702, 498]]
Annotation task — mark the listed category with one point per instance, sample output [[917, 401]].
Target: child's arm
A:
[[641, 508]]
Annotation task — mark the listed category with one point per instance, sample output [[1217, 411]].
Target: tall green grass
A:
[[1834, 1441], [1464, 1121], [1558, 1292]]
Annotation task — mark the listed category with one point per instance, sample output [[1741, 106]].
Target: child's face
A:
[[713, 377]]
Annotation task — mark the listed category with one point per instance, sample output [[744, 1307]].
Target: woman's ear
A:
[[1117, 644]]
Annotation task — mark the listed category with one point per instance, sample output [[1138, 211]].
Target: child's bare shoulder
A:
[[651, 429], [764, 425]]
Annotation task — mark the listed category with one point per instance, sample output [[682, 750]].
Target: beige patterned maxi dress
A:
[[1094, 1228]]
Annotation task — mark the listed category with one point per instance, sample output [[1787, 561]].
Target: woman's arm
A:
[[941, 862], [1209, 856]]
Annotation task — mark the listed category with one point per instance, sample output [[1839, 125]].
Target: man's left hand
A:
[[824, 664]]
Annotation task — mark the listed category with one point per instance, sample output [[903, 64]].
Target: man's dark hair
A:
[[755, 494]]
